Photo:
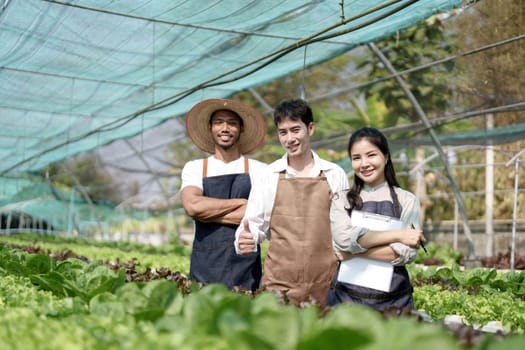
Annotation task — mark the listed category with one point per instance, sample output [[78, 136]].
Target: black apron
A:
[[400, 294], [213, 257]]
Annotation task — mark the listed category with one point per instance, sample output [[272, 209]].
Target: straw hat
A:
[[198, 121]]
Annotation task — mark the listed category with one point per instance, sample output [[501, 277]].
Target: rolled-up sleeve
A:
[[258, 208], [405, 254], [410, 216], [344, 235]]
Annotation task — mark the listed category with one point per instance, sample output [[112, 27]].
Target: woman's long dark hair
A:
[[379, 140]]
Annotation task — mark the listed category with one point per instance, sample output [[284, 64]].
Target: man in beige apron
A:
[[290, 205]]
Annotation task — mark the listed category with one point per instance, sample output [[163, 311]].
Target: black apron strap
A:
[[397, 206]]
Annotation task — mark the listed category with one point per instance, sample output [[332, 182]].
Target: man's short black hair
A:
[[294, 110]]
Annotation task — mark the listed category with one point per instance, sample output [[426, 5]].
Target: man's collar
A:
[[320, 164]]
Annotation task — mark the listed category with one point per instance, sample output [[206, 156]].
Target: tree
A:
[[417, 45], [489, 79], [85, 171], [334, 118], [492, 76]]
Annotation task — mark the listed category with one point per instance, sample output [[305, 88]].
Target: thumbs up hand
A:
[[246, 240]]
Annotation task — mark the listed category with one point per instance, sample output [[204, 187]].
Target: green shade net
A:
[[77, 75], [41, 206]]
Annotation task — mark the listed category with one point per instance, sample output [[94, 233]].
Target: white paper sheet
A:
[[367, 273]]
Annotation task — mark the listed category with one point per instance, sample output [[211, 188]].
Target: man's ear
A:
[[311, 128]]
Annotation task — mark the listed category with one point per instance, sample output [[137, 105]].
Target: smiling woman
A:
[[375, 190], [368, 162]]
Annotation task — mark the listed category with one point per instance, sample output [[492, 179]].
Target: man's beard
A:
[[226, 147]]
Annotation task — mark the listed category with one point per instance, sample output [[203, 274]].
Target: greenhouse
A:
[[95, 241]]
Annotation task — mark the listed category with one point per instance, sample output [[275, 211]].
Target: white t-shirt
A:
[[192, 172]]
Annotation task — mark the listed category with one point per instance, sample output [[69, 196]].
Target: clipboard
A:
[[365, 272], [368, 273], [376, 222]]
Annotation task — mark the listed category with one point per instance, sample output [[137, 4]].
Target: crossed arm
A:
[[395, 246], [398, 247], [208, 209], [384, 253], [387, 246]]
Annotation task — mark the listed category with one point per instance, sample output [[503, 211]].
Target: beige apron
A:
[[300, 259]]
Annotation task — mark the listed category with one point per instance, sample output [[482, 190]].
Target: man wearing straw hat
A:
[[215, 189]]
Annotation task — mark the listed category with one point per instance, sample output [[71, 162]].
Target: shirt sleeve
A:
[[344, 235], [191, 174], [344, 181], [411, 214], [257, 209], [256, 167], [336, 176], [405, 254]]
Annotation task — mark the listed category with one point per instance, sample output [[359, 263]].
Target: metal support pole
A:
[[70, 213], [437, 144], [514, 215], [516, 159], [8, 224], [489, 191], [455, 244], [156, 179]]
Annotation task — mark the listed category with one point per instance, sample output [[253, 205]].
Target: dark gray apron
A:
[[213, 257], [400, 294]]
